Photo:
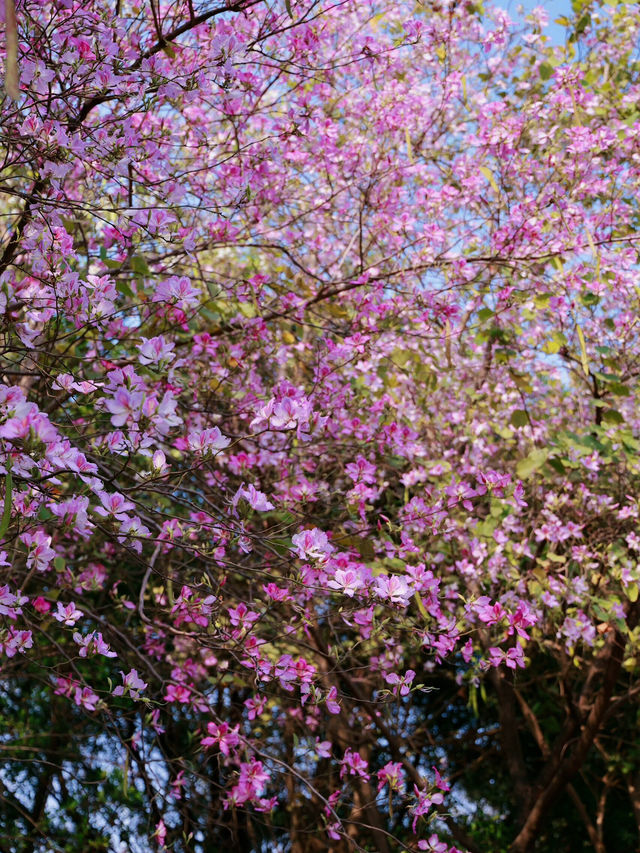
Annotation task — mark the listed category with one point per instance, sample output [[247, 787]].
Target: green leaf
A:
[[542, 300], [124, 288], [6, 509], [554, 344], [589, 298], [545, 70], [409, 146], [531, 463], [401, 357], [555, 558], [519, 418], [611, 416], [139, 265], [583, 23], [421, 607], [361, 544], [247, 309], [558, 465], [489, 176], [473, 699], [584, 359]]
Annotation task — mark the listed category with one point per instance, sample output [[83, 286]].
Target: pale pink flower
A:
[[18, 641], [125, 406], [332, 704], [257, 500], [68, 614], [40, 553], [312, 544], [347, 581], [156, 350], [207, 441], [132, 685], [394, 588], [93, 644], [114, 504]]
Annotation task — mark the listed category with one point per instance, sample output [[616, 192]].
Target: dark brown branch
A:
[[572, 754]]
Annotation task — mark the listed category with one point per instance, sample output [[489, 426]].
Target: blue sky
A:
[[555, 8]]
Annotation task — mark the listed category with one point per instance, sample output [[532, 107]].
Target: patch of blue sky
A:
[[556, 33]]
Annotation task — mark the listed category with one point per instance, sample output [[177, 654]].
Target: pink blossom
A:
[[160, 833], [361, 471], [159, 462], [85, 697], [132, 685], [256, 499], [252, 778], [73, 513], [125, 406], [17, 641], [276, 592], [332, 704], [179, 291], [347, 581], [114, 504], [312, 544], [323, 748], [207, 441], [10, 604], [354, 765], [402, 684], [392, 775], [242, 617], [286, 414], [93, 644], [40, 553], [68, 614], [177, 693], [394, 588], [223, 736], [489, 613], [155, 350]]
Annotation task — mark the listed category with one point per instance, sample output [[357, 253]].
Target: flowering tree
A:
[[318, 427]]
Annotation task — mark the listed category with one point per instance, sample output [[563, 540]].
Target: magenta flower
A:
[[177, 693], [331, 700], [353, 764], [392, 775], [223, 736]]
